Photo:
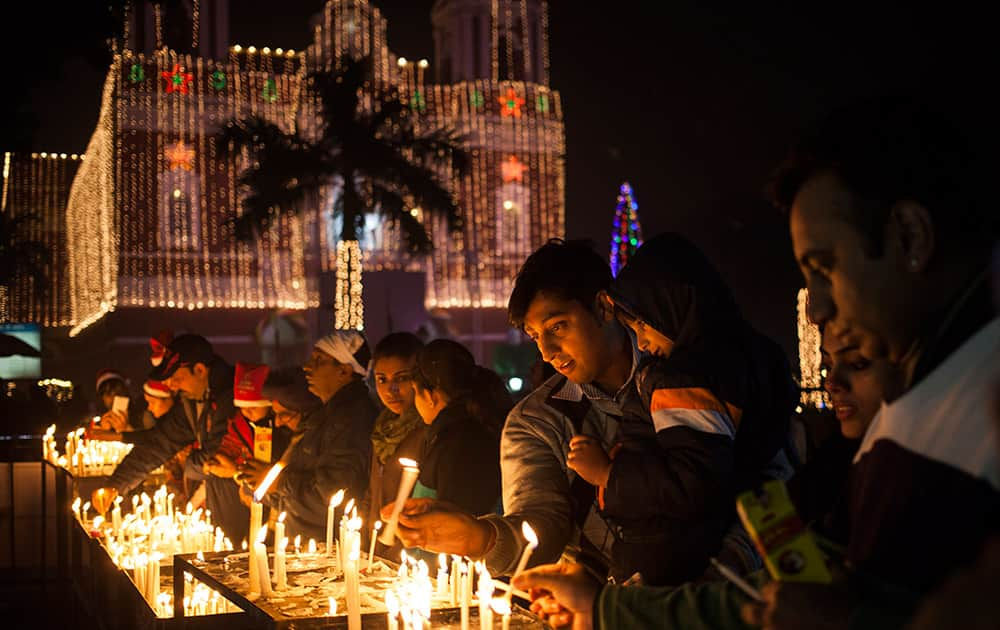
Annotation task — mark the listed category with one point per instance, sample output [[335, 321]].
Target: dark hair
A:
[[448, 366], [570, 270], [897, 147], [115, 386], [402, 345]]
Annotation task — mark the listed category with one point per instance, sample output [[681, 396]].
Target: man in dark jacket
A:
[[334, 449], [205, 384]]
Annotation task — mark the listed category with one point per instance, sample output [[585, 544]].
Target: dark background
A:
[[693, 104]]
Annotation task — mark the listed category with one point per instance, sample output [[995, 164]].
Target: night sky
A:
[[694, 105]]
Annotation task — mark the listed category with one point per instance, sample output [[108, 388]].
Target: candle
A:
[[335, 500], [392, 606], [456, 583], [279, 564], [298, 543], [466, 578], [256, 516], [352, 583], [116, 515], [279, 528], [501, 606], [532, 540], [406, 482], [332, 610], [485, 594], [76, 509], [265, 485], [263, 572], [371, 546], [442, 577], [312, 546]]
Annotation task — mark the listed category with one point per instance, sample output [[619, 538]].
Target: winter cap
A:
[[158, 346], [289, 388], [185, 350], [247, 385], [156, 389], [347, 346]]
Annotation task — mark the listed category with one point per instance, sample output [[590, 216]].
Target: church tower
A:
[[495, 40], [199, 27]]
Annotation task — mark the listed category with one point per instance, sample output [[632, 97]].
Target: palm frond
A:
[[393, 208]]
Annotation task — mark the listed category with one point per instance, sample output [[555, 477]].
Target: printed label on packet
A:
[[262, 444], [788, 547]]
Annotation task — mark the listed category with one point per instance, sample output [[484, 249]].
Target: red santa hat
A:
[[158, 346], [247, 385], [156, 389], [107, 374]]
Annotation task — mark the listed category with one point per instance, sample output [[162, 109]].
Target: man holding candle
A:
[[334, 447], [205, 383], [556, 302]]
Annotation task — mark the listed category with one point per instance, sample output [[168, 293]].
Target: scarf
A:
[[390, 430]]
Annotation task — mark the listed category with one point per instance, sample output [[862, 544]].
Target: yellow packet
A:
[[262, 444], [788, 547]]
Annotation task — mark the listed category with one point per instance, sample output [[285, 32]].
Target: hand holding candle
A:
[[532, 542], [409, 478]]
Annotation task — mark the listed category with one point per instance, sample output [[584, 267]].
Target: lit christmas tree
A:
[[626, 235]]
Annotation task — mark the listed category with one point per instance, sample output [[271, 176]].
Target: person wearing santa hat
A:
[[252, 410], [114, 425]]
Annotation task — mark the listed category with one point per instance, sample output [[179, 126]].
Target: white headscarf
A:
[[343, 346]]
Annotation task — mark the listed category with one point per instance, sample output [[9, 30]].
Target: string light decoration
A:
[[143, 230], [626, 232], [810, 359], [348, 308]]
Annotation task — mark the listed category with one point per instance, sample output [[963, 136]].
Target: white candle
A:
[[406, 483], [501, 606], [371, 546], [265, 485], [256, 516], [332, 610], [532, 542], [455, 580], [76, 509], [334, 502], [281, 580], [279, 528], [116, 515], [392, 606], [466, 578], [262, 569], [485, 594], [442, 577], [352, 583], [311, 549], [298, 543]]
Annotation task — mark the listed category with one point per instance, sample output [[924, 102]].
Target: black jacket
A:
[[180, 427], [334, 453], [461, 461]]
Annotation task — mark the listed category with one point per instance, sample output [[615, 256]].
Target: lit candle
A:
[[279, 528], [263, 572], [280, 578], [392, 606], [265, 485], [532, 540], [298, 543], [335, 500], [312, 547], [406, 482], [84, 511], [332, 610], [455, 580], [76, 509], [501, 606], [352, 582], [485, 594], [256, 516], [442, 577], [116, 515], [371, 546], [466, 578]]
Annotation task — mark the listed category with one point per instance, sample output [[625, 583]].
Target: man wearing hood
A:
[[205, 384]]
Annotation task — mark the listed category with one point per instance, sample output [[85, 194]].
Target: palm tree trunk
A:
[[349, 310]]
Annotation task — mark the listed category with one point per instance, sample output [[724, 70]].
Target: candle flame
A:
[[298, 541], [98, 521], [500, 606], [442, 561], [349, 506], [268, 480], [312, 545], [284, 543], [281, 517], [529, 534], [391, 603], [333, 607], [354, 523], [378, 525], [76, 503], [403, 557], [200, 557], [262, 534], [244, 544], [406, 462], [86, 506], [337, 499], [50, 431]]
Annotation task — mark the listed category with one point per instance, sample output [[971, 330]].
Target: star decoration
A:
[[510, 104], [512, 169], [179, 155], [177, 79], [270, 92], [219, 80]]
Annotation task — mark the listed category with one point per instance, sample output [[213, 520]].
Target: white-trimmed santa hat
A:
[[156, 389], [247, 385]]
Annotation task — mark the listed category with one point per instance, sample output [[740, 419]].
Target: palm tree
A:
[[371, 149], [21, 258]]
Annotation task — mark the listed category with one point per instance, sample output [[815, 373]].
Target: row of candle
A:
[[83, 457]]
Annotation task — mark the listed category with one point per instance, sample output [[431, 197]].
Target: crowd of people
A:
[[665, 406]]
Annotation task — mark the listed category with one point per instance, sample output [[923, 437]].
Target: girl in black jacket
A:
[[465, 406]]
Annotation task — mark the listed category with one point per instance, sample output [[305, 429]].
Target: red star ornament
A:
[[512, 169], [179, 156], [510, 104], [177, 80]]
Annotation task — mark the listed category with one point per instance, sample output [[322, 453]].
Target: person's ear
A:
[[605, 306], [200, 370], [912, 231]]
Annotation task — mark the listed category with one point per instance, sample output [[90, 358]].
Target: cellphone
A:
[[788, 547], [120, 404]]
